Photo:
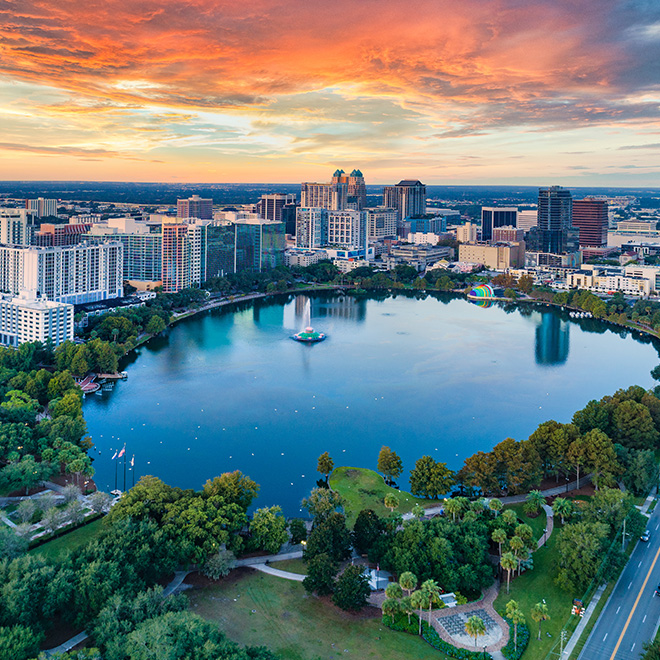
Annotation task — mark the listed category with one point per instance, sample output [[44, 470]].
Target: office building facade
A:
[[194, 207], [331, 196], [590, 216], [269, 207], [259, 245], [408, 197], [16, 227], [381, 223], [356, 189], [555, 220], [41, 207], [492, 217]]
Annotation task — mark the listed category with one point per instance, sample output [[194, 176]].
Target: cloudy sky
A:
[[448, 91]]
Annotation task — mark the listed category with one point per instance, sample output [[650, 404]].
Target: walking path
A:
[[649, 500], [255, 561], [549, 526], [176, 582], [296, 577], [584, 622]]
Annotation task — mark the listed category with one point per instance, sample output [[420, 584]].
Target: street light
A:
[[545, 531], [484, 652]]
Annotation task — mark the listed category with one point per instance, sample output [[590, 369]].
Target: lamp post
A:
[[484, 652], [545, 531]]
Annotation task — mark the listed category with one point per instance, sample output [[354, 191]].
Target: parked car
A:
[[645, 536], [657, 591]]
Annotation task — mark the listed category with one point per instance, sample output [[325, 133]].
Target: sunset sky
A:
[[448, 91]]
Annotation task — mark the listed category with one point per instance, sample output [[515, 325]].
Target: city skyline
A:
[[476, 93]]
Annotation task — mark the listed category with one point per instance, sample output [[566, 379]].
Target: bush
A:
[[219, 565], [523, 640]]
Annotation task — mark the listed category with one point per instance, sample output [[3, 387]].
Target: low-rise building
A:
[[27, 318], [302, 257], [498, 256], [417, 256]]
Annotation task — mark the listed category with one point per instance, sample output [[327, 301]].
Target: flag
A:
[[122, 452], [115, 456], [133, 460]]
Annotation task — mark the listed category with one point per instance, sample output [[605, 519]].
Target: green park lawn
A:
[[291, 565], [531, 588], [366, 489], [537, 524], [56, 548], [297, 626]]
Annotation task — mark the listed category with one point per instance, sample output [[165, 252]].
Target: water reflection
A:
[[552, 339]]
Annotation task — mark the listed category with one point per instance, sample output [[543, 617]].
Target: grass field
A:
[[532, 587], [537, 524], [366, 489], [59, 546], [258, 609], [291, 565]]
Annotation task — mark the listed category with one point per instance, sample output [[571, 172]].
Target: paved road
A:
[[632, 614]]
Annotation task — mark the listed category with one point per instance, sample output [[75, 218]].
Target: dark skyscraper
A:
[[407, 197], [492, 217], [590, 217], [555, 219]]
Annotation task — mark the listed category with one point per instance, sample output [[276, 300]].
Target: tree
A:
[[351, 589], [234, 487], [100, 501], [432, 591], [419, 600], [475, 627], [540, 614], [526, 283], [610, 506], [25, 510], [321, 572], [268, 527], [12, 543], [298, 531], [601, 458], [430, 479], [322, 502], [391, 501], [155, 326], [329, 535], [408, 581], [517, 545], [74, 512], [508, 563], [454, 506], [499, 536], [577, 455], [71, 492], [562, 507], [19, 642], [534, 502], [634, 426], [219, 565], [367, 530], [391, 607], [394, 591], [406, 606], [515, 614], [580, 547], [389, 464], [325, 465], [495, 505]]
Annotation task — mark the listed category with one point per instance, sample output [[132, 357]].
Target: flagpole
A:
[[133, 468], [116, 474], [124, 469]]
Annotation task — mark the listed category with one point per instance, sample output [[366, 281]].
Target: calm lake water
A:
[[230, 390]]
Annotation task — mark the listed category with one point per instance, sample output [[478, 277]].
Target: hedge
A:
[[400, 623]]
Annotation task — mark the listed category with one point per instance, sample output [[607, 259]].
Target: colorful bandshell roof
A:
[[482, 291]]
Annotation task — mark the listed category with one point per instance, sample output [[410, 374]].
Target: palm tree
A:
[[540, 613], [508, 563], [535, 499], [407, 606], [391, 607], [475, 627], [394, 590], [514, 613], [478, 505], [495, 505], [432, 589], [453, 506], [509, 517], [419, 601], [517, 544], [499, 536], [391, 501], [408, 581], [562, 507]]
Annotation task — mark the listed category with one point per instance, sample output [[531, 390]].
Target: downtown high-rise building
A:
[[590, 216], [41, 207], [183, 255], [356, 189], [331, 196], [555, 220], [16, 226], [493, 216], [194, 207], [270, 207], [408, 197]]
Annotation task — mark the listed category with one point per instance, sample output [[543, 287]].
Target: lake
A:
[[229, 389]]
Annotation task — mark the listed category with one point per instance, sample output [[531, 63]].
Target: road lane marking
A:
[[604, 638], [656, 527], [617, 609], [638, 565], [644, 619], [633, 647], [634, 607], [630, 585]]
